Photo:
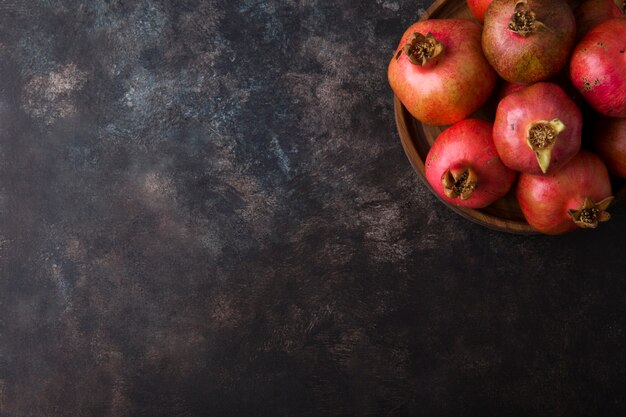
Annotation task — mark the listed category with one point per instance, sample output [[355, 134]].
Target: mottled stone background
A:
[[205, 211]]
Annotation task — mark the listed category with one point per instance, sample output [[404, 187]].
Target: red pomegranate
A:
[[577, 196], [598, 67], [537, 129], [478, 8], [610, 143], [528, 40], [593, 12], [463, 166], [439, 72]]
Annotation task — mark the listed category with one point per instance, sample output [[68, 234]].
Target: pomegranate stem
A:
[[422, 49], [459, 183], [541, 138], [590, 214]]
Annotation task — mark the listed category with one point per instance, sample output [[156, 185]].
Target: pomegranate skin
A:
[[469, 144], [546, 200], [453, 85], [539, 55], [593, 12], [478, 8], [598, 67], [514, 116], [610, 143]]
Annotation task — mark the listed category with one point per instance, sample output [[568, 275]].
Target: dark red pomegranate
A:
[[478, 8], [439, 72], [528, 40], [610, 143], [463, 166], [593, 12], [598, 67], [537, 129], [577, 196]]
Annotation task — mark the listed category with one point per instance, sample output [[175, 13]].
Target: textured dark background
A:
[[205, 211]]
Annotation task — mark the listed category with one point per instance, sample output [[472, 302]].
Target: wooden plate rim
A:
[[432, 9]]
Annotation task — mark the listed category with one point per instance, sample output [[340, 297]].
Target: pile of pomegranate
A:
[[543, 62]]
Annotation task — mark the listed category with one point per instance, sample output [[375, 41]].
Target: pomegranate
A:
[[528, 40], [478, 8], [610, 143], [575, 196], [537, 129], [598, 67], [593, 12], [463, 166], [508, 89], [439, 72]]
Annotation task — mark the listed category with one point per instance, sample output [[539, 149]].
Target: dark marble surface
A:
[[205, 211]]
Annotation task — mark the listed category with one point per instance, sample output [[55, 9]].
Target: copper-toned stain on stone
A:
[[50, 97]]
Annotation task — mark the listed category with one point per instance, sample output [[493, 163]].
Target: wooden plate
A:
[[503, 215]]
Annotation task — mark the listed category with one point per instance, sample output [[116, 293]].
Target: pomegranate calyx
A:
[[423, 49], [459, 183], [524, 21], [541, 138], [590, 214]]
